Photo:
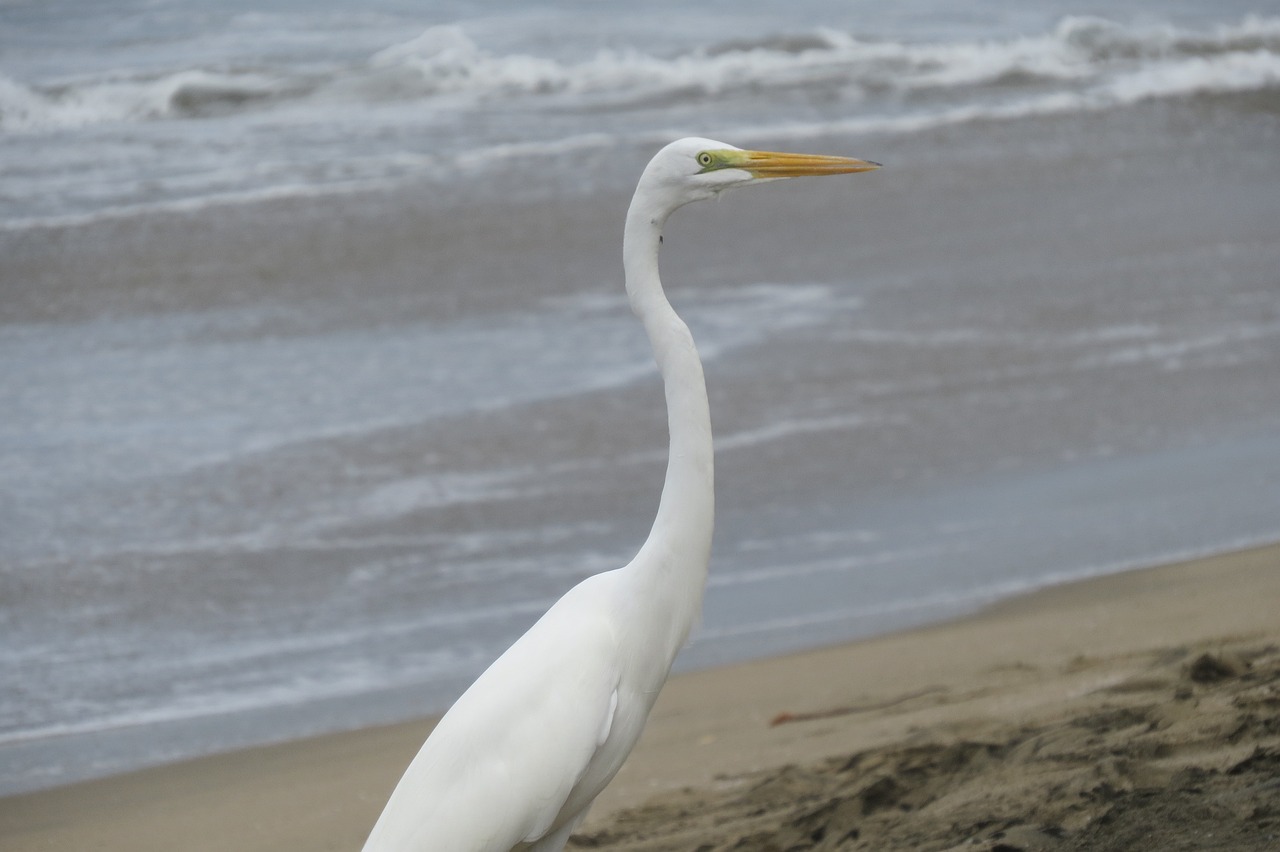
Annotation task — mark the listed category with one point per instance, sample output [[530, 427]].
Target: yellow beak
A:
[[771, 164]]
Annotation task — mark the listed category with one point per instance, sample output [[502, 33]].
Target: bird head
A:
[[693, 169]]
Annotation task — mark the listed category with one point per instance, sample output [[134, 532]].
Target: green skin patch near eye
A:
[[721, 159]]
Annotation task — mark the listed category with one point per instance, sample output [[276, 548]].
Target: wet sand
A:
[[1137, 711]]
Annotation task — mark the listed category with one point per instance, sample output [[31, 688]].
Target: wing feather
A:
[[500, 766]]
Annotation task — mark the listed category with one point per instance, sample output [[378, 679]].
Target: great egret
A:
[[518, 760]]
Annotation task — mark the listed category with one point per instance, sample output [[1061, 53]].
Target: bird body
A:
[[516, 764], [519, 758]]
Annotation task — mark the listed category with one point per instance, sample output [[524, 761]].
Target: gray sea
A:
[[317, 383]]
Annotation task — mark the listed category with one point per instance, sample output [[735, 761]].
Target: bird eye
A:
[[705, 159]]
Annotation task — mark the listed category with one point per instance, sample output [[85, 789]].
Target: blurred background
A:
[[318, 385]]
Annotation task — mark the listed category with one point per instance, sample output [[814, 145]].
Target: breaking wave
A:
[[444, 66]]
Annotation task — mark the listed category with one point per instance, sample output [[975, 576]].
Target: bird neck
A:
[[679, 545]]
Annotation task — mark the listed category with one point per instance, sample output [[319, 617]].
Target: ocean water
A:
[[118, 107], [318, 383]]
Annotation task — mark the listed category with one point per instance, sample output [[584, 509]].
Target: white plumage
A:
[[517, 761]]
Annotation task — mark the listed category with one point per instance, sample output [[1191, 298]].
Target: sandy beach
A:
[[1135, 711]]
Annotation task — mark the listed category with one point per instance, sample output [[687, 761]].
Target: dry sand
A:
[[1139, 711]]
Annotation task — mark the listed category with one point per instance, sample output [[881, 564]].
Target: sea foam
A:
[[444, 61]]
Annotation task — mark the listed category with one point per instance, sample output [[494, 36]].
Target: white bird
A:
[[518, 760]]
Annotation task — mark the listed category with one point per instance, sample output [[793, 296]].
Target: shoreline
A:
[[1000, 409], [1023, 663]]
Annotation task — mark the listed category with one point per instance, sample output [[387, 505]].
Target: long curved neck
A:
[[679, 546]]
